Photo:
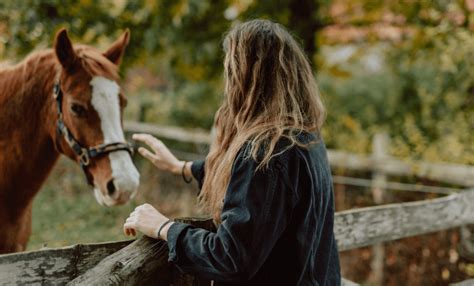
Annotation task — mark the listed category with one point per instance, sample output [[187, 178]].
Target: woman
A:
[[266, 179]]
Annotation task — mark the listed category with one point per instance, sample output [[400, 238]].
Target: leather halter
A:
[[84, 154]]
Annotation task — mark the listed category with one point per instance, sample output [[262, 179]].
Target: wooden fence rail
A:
[[169, 132], [142, 258], [366, 226], [457, 174], [449, 173]]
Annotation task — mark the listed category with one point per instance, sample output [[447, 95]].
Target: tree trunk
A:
[[304, 21]]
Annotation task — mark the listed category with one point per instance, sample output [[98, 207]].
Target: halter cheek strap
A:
[[84, 154]]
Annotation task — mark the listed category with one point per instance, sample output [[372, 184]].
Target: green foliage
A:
[[436, 76], [422, 94], [179, 40]]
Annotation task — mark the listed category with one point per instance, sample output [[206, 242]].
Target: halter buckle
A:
[[84, 157]]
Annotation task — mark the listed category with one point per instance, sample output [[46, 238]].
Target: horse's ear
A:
[[64, 50], [116, 50]]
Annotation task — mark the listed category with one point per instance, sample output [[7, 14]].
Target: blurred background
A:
[[404, 69]]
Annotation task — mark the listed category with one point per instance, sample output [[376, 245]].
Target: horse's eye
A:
[[78, 110]]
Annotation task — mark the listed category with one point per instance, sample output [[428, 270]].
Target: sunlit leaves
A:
[[408, 70]]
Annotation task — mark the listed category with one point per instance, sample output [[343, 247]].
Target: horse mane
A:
[[18, 79], [31, 62], [91, 60]]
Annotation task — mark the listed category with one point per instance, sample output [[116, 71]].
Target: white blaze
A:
[[105, 100]]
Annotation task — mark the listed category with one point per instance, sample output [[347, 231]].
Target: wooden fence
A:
[[144, 261], [456, 174]]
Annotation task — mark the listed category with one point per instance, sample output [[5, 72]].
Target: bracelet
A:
[[162, 226], [182, 174]]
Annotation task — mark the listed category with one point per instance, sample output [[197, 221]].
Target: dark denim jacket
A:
[[277, 225]]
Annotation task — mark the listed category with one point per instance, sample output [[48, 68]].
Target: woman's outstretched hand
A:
[[160, 155]]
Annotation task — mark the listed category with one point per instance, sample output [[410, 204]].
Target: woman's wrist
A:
[[183, 169], [186, 172], [164, 231], [178, 167]]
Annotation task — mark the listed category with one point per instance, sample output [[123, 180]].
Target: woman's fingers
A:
[[145, 138], [159, 154], [129, 227], [147, 154], [152, 142], [148, 139], [130, 231]]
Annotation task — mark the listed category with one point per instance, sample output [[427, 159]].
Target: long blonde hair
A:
[[270, 92]]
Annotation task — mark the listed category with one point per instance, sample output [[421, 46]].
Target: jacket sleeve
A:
[[257, 208], [197, 169]]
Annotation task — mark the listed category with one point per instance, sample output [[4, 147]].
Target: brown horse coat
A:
[[29, 145]]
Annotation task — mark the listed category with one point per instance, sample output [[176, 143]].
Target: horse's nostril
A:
[[111, 187]]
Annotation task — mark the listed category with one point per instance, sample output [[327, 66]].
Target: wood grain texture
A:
[[136, 264], [143, 262], [366, 226], [53, 266]]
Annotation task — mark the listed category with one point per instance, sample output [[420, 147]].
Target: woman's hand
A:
[[147, 220], [161, 156]]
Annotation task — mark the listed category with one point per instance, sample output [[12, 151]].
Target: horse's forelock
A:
[[94, 63]]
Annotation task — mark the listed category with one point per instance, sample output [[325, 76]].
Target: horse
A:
[[65, 100]]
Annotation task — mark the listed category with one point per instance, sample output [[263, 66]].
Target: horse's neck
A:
[[27, 152]]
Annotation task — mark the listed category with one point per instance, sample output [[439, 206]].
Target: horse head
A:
[[90, 105]]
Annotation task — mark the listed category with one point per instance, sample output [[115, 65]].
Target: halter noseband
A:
[[84, 154]]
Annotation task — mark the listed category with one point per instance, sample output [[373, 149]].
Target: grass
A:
[[63, 219]]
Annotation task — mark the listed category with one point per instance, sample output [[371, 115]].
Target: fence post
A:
[[467, 240], [380, 144]]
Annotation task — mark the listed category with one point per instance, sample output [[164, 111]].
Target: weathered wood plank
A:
[[54, 266], [366, 226], [135, 264], [143, 262], [462, 175]]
